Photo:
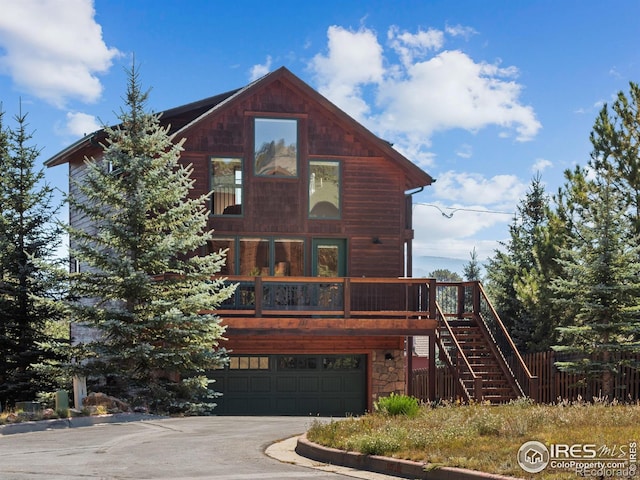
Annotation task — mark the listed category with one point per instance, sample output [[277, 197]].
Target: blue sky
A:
[[481, 94]]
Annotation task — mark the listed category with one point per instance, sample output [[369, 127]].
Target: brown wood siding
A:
[[372, 186]]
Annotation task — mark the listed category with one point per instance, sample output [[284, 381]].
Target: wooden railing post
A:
[[347, 297], [476, 298], [433, 309], [534, 387], [461, 300], [259, 294], [477, 387]]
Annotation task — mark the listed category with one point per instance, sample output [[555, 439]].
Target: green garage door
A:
[[292, 385]]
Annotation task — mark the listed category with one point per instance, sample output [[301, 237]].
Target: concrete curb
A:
[[74, 422], [386, 465]]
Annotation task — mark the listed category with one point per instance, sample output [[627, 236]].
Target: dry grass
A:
[[483, 437]]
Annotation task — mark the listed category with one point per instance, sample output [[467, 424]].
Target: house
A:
[[315, 211]]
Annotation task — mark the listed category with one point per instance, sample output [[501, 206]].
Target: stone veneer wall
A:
[[387, 374]]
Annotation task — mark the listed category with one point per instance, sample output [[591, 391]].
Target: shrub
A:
[[375, 444], [398, 405]]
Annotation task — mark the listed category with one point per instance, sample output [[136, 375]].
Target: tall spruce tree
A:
[[600, 284], [140, 288], [519, 276], [29, 235]]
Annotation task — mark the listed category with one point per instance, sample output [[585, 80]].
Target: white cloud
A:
[[409, 45], [258, 71], [451, 90], [425, 91], [354, 59], [54, 50], [80, 124], [460, 31], [464, 151], [499, 191], [540, 165]]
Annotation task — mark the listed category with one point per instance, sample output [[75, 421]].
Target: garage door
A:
[[292, 385]]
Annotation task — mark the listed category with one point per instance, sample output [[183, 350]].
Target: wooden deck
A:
[[329, 306], [465, 333]]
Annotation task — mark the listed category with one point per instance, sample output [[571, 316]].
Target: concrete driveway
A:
[[221, 448]]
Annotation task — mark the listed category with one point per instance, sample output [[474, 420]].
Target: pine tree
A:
[[29, 286], [616, 149], [472, 270], [141, 287], [445, 275], [601, 284], [519, 277]]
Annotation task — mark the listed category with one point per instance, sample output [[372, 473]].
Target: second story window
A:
[[324, 189], [226, 184], [276, 147]]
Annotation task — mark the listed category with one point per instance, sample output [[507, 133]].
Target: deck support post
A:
[[409, 372], [431, 376]]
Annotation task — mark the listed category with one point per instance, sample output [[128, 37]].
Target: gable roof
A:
[[183, 117]]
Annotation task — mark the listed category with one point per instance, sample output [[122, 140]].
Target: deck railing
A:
[[527, 382], [467, 382], [339, 297]]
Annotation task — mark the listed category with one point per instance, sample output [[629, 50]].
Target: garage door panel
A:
[[351, 384], [309, 406], [287, 384], [333, 405], [332, 385], [238, 384], [308, 384], [261, 384]]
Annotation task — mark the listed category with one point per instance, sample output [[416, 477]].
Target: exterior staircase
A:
[[494, 381], [480, 359]]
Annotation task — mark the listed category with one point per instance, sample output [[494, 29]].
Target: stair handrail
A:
[[477, 380], [527, 382]]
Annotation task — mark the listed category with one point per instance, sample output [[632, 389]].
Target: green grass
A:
[[482, 437]]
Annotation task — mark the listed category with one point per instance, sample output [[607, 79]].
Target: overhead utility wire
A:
[[453, 210]]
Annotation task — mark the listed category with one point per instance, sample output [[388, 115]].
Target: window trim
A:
[[340, 193], [271, 240], [235, 186], [297, 141]]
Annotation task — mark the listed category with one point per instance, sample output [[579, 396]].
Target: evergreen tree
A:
[[445, 275], [29, 309], [141, 287], [601, 285], [519, 277], [616, 150], [472, 270]]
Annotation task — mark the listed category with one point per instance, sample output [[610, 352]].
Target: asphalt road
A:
[[221, 448]]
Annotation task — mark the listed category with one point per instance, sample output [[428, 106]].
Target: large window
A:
[[288, 257], [261, 256], [276, 147], [226, 184], [324, 189], [254, 257]]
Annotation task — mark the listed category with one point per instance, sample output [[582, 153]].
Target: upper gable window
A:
[[226, 186], [276, 147]]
